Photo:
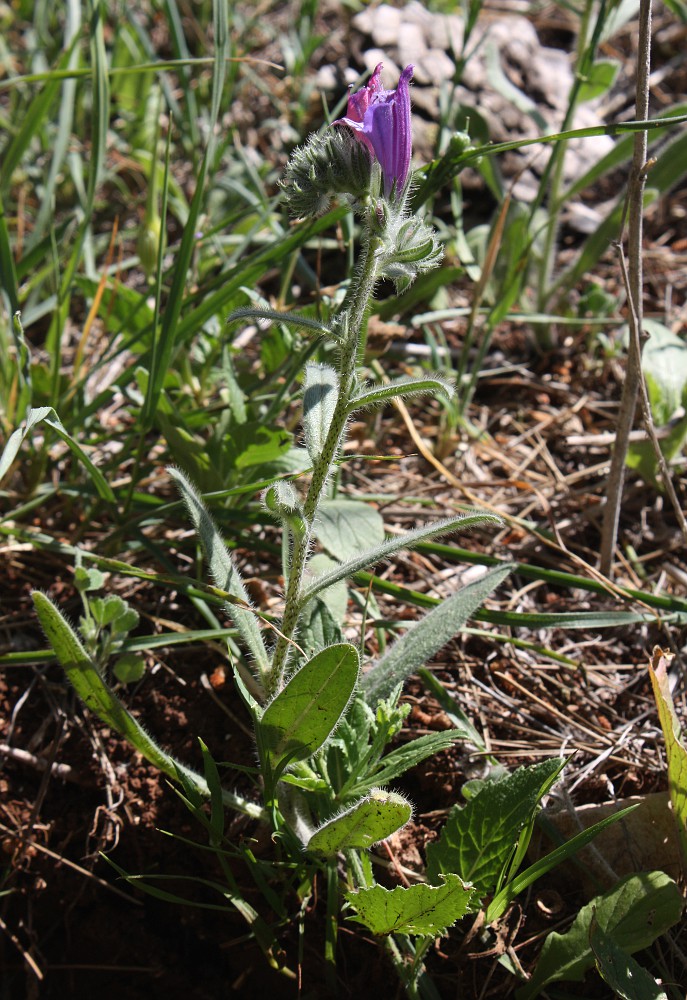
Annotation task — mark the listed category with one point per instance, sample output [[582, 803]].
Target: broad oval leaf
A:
[[372, 819], [305, 713]]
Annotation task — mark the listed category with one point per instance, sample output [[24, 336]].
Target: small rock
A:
[[380, 23], [412, 46], [436, 66]]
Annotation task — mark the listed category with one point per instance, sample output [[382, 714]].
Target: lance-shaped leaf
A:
[[94, 692], [296, 320], [370, 820], [320, 395], [419, 909], [304, 714], [676, 752], [379, 394], [368, 558], [46, 414], [223, 571], [423, 640]]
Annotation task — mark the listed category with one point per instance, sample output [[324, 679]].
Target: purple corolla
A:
[[380, 119]]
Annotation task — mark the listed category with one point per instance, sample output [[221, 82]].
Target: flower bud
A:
[[328, 165]]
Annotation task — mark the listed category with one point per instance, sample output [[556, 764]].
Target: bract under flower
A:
[[380, 120]]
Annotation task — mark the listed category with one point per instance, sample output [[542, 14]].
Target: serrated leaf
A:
[[302, 717], [363, 560], [676, 753], [424, 639], [367, 822], [478, 838], [419, 909], [634, 912], [223, 571], [348, 527], [402, 387], [627, 978], [320, 396]]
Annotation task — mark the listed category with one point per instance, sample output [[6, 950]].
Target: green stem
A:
[[353, 319]]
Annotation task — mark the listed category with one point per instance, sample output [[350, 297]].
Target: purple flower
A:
[[380, 120]]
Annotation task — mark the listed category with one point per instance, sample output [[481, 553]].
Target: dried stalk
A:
[[633, 372]]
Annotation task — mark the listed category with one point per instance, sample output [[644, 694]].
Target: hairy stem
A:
[[353, 318]]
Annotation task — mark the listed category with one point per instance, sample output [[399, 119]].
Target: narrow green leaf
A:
[[94, 692], [673, 735], [424, 639], [296, 320], [627, 978], [367, 822], [223, 571], [320, 396], [478, 838], [216, 827], [634, 913], [302, 717], [362, 560], [402, 387], [419, 909], [514, 887], [409, 755], [48, 415]]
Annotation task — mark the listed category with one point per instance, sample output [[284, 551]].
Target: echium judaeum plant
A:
[[321, 722]]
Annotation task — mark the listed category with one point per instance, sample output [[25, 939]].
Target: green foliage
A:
[[627, 978], [305, 713], [210, 239], [634, 913], [664, 363], [367, 822], [419, 909], [674, 738], [503, 807]]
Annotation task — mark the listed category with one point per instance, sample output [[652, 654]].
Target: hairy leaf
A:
[[374, 555], [423, 640], [419, 909], [223, 571], [320, 396], [307, 710], [367, 822], [402, 387], [94, 692]]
